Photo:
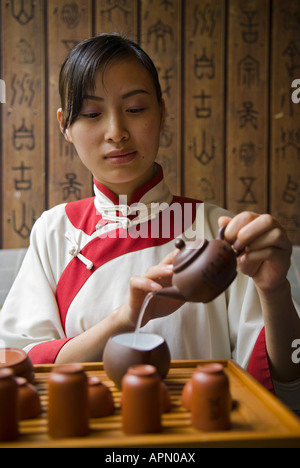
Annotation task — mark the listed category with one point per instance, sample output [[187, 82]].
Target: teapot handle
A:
[[221, 236]]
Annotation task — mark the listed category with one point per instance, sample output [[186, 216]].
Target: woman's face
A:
[[117, 132]]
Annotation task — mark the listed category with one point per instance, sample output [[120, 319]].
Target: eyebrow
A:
[[124, 96]]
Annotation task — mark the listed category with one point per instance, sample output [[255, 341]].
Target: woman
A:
[[92, 262]]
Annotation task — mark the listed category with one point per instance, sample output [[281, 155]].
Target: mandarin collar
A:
[[153, 191]]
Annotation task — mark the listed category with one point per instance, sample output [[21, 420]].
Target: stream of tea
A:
[[141, 316]]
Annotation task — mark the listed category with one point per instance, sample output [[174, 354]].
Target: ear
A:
[[65, 133], [162, 114]]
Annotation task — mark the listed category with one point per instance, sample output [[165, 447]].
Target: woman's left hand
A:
[[267, 249]]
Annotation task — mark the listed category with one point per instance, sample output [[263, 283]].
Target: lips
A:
[[120, 156]]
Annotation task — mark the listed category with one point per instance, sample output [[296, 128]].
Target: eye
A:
[[135, 110], [92, 115]]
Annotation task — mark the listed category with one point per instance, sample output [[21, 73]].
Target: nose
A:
[[116, 131]]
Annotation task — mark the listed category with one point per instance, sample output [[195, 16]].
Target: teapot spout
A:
[[170, 293]]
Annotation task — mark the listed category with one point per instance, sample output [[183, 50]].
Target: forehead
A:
[[119, 76]]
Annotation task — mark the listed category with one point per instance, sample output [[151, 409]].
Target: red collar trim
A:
[[140, 192]]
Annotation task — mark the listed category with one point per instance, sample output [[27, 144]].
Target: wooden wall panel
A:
[[68, 24], [120, 17], [160, 30], [247, 105], [23, 120], [226, 68], [204, 100], [285, 117]]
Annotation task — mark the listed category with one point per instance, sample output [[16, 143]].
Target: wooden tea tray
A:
[[258, 419]]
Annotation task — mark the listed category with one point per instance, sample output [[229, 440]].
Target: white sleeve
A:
[[30, 313]]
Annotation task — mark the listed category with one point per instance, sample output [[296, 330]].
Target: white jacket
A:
[[56, 296], [77, 270]]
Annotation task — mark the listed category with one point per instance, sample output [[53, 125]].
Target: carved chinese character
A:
[[22, 90], [117, 6], [250, 34], [290, 190], [23, 137], [161, 32], [248, 71], [248, 196], [70, 15], [293, 63], [71, 187], [23, 11], [22, 183], [204, 67], [22, 229], [248, 154], [204, 157], [290, 140], [248, 115], [205, 20], [202, 111]]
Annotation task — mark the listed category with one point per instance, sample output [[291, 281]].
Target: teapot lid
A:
[[187, 255]]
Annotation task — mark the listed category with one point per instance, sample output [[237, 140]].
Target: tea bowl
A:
[[131, 349], [19, 362]]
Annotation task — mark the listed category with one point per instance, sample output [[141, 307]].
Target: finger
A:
[[255, 231], [251, 262], [224, 221], [275, 238], [143, 284], [263, 232], [236, 224], [159, 271]]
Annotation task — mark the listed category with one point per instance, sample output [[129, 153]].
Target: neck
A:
[[128, 189]]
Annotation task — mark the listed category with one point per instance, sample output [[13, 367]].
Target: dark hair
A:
[[77, 74]]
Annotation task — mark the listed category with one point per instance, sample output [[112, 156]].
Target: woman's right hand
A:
[[155, 278]]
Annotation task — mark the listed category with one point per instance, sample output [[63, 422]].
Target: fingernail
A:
[[168, 267], [243, 258], [238, 245], [155, 286]]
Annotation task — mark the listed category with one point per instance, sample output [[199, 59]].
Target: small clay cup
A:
[[186, 395], [131, 349], [101, 402], [28, 400], [8, 406], [210, 400], [165, 397], [17, 360], [141, 400], [68, 407]]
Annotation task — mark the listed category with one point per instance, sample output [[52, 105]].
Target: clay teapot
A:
[[202, 270]]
